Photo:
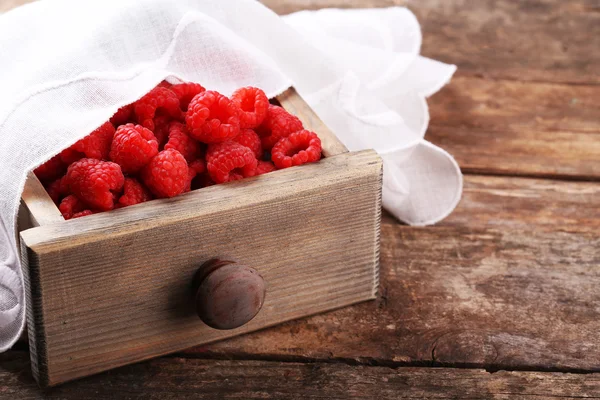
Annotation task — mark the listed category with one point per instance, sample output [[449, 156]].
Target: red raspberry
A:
[[161, 129], [50, 170], [264, 167], [158, 98], [71, 205], [212, 118], [94, 182], [198, 165], [253, 103], [134, 193], [82, 214], [164, 84], [278, 124], [133, 147], [58, 189], [70, 155], [180, 140], [167, 174], [250, 139], [298, 148], [190, 177], [96, 144], [123, 116], [186, 92], [229, 161]]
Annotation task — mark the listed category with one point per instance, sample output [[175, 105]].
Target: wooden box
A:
[[115, 288]]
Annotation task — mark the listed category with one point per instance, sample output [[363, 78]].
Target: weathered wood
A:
[[531, 40], [40, 208], [177, 378], [291, 101], [518, 128], [507, 281], [311, 232]]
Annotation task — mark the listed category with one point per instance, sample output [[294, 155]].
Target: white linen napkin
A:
[[66, 66]]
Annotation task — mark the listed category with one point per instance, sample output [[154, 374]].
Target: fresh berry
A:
[[82, 214], [198, 165], [69, 155], [50, 170], [96, 144], [186, 92], [180, 140], [124, 115], [298, 148], [164, 84], [167, 174], [58, 189], [264, 167], [212, 118], [159, 98], [190, 177], [161, 129], [253, 104], [134, 193], [229, 161], [71, 205], [94, 182], [250, 139], [278, 124], [133, 147]]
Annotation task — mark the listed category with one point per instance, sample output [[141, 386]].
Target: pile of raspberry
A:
[[175, 139]]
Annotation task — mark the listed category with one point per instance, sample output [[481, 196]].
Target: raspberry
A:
[[50, 170], [71, 205], [190, 177], [134, 193], [96, 144], [70, 155], [297, 149], [158, 98], [161, 129], [253, 103], [264, 167], [278, 124], [229, 161], [212, 118], [167, 174], [164, 84], [250, 139], [180, 140], [58, 189], [94, 182], [186, 92], [198, 165], [123, 115], [133, 147], [82, 214]]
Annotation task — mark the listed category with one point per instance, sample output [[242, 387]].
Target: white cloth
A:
[[66, 66]]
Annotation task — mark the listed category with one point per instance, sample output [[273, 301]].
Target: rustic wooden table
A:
[[501, 299]]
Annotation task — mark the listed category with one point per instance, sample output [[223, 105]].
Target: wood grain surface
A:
[[176, 378]]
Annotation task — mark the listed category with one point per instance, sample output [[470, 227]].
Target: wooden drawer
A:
[[116, 287]]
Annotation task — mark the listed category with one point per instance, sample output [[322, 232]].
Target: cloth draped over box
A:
[[66, 66]]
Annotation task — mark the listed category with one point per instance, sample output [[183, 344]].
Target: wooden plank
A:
[[176, 378], [508, 281], [530, 40], [40, 208], [131, 301], [515, 128], [292, 102]]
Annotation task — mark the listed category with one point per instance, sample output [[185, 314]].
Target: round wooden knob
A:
[[228, 294]]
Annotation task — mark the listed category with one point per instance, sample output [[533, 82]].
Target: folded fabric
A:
[[67, 66]]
